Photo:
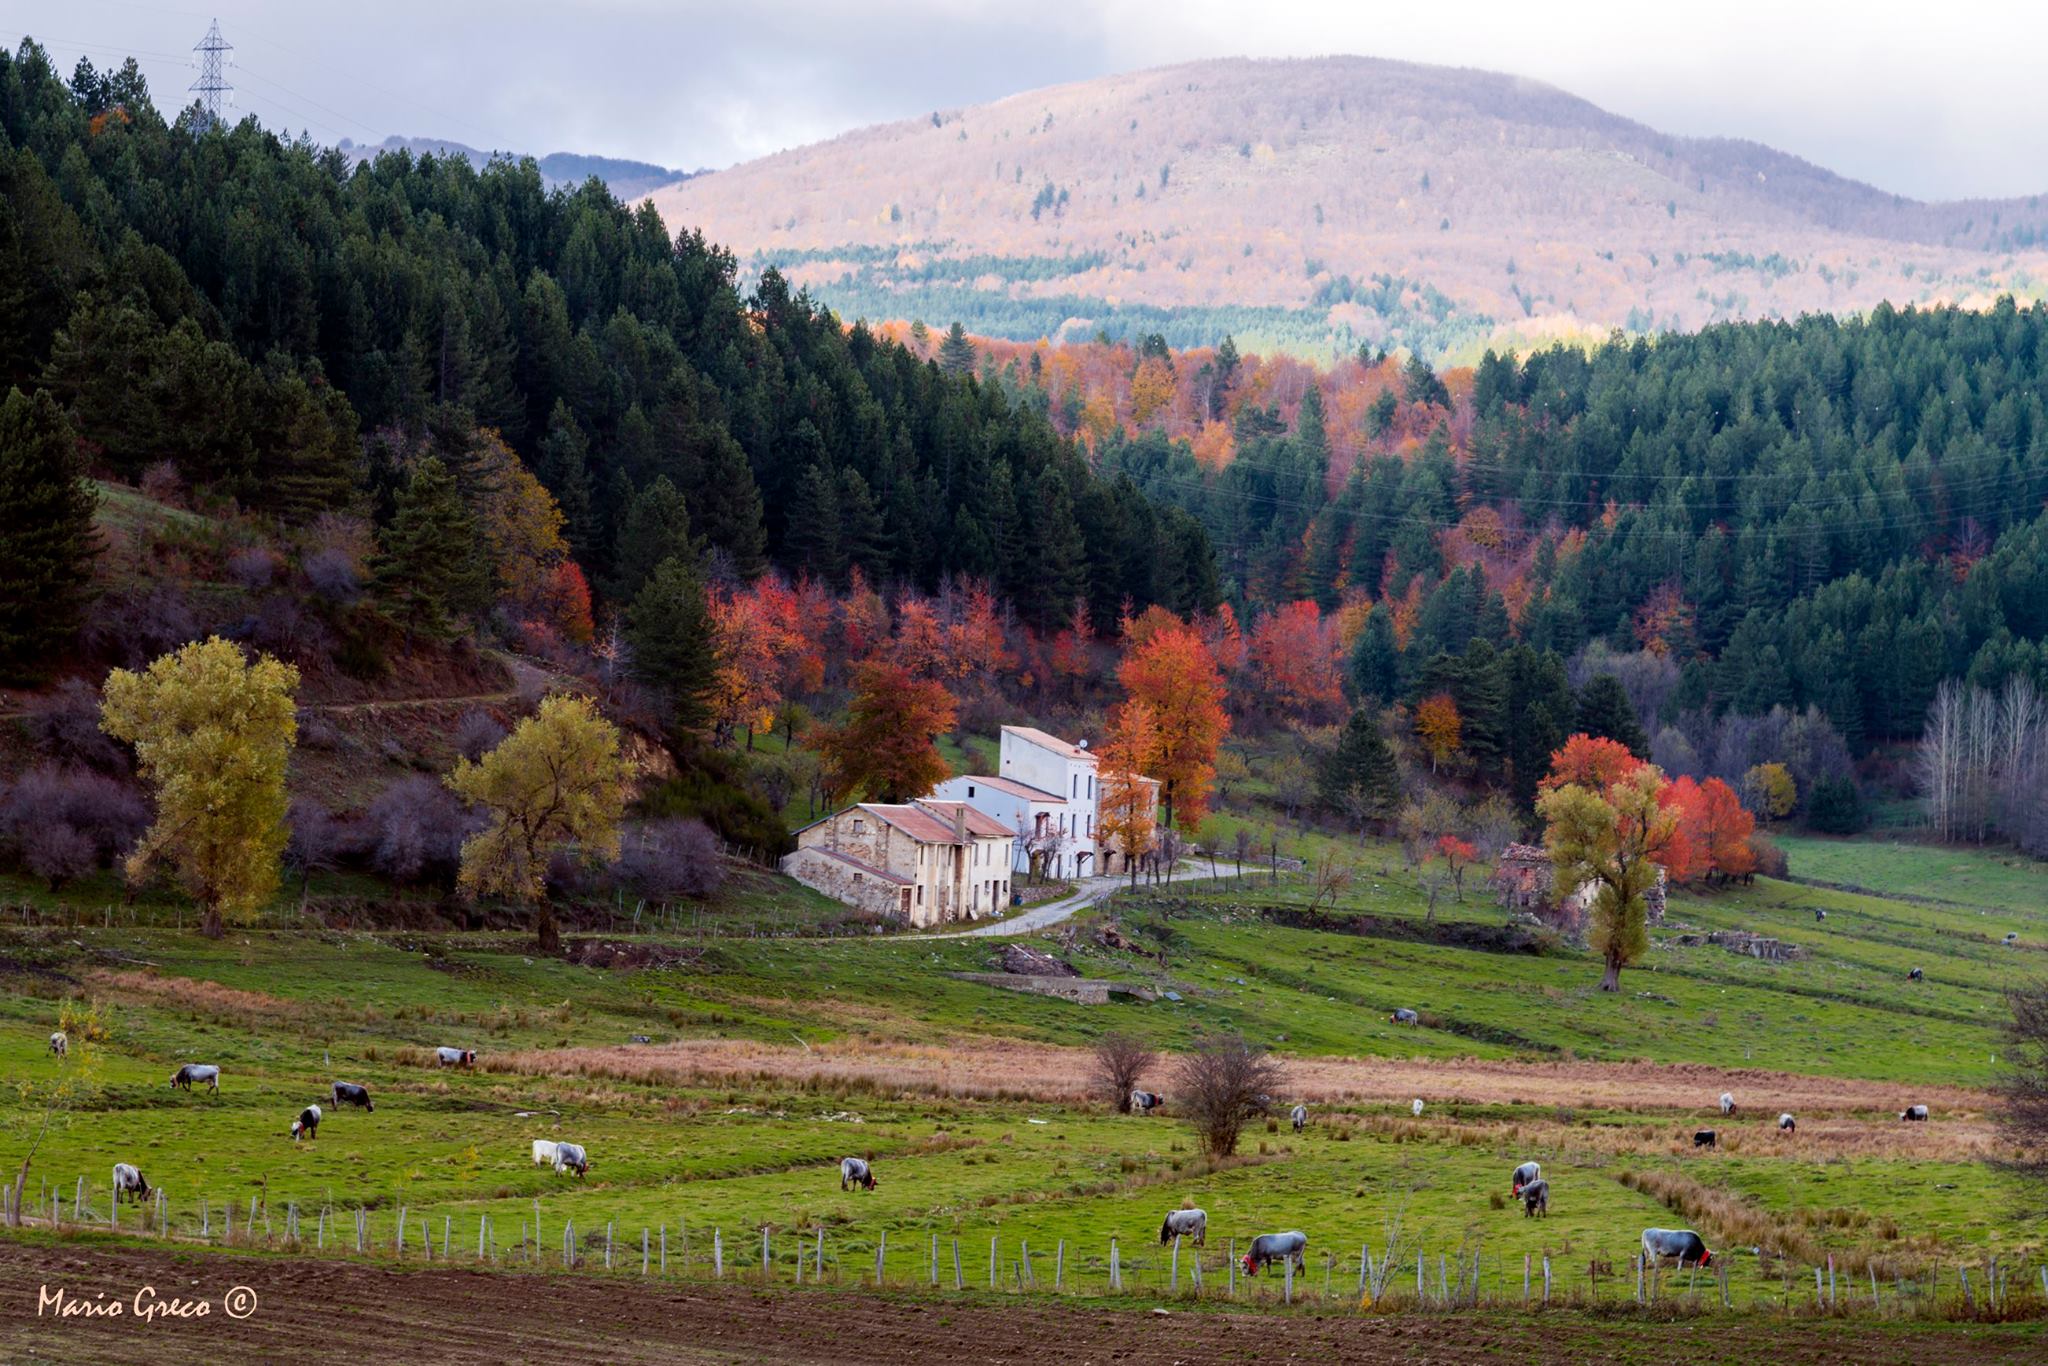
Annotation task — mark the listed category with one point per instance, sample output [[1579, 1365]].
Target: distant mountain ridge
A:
[[1320, 204], [628, 179]]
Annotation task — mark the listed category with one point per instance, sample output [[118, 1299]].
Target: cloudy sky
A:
[[1935, 102]]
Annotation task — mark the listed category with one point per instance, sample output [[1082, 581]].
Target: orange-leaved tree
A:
[[1720, 828], [1590, 762], [884, 751], [1294, 652], [1173, 674], [1125, 817], [1439, 727]]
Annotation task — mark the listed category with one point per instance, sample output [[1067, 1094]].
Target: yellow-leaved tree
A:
[[1612, 839], [558, 781], [212, 735]]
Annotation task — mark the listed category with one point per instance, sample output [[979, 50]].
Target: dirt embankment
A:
[[316, 1311]]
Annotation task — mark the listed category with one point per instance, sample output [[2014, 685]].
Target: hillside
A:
[[558, 170], [1326, 203]]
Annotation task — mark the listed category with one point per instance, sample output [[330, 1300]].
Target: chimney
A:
[[960, 823]]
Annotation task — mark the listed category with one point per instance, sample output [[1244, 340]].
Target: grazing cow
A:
[[193, 1072], [1727, 1103], [1819, 914], [1145, 1102], [1404, 1016], [544, 1152], [1916, 975], [1524, 1174], [1415, 1107], [570, 1157], [2012, 938], [1536, 1199], [1788, 1124], [1192, 1224], [1914, 1112], [1704, 1138], [1680, 1243], [1299, 1116], [308, 1123], [455, 1057], [854, 1171], [59, 1045], [1269, 1248], [348, 1093], [127, 1180]]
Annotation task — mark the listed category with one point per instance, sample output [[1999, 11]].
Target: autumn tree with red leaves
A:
[[1173, 673], [1712, 841], [1294, 653], [1589, 762], [885, 750]]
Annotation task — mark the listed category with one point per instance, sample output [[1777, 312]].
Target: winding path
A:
[[1092, 890]]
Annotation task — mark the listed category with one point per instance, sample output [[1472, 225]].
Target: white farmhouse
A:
[[1048, 792]]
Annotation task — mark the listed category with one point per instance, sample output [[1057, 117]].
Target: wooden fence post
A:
[[959, 1283], [1116, 1280], [1175, 1283], [1231, 1280], [935, 1261], [1364, 1268], [1546, 1278], [664, 1249], [1287, 1276], [818, 1263], [992, 1263], [643, 1250], [1526, 1259], [766, 1273], [1421, 1294], [1195, 1269], [1059, 1265], [717, 1254]]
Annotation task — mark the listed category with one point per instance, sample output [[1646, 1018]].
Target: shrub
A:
[[64, 725], [62, 822], [333, 575], [415, 830], [1221, 1084], [1121, 1062], [477, 734], [666, 859], [252, 568]]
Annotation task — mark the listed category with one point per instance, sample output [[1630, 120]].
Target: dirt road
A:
[[315, 1311]]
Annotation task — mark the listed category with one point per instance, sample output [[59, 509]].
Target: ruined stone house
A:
[[923, 862], [1525, 880]]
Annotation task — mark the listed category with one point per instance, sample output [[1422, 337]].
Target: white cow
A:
[[1727, 1102], [59, 1045], [1192, 1224], [544, 1152], [1416, 1108], [570, 1157], [128, 1181]]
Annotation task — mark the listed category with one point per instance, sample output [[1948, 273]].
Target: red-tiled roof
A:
[[1051, 742], [1017, 789], [920, 825], [978, 822]]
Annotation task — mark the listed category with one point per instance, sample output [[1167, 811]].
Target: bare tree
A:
[[1332, 879], [1242, 843], [1121, 1062], [2024, 1116], [1222, 1083]]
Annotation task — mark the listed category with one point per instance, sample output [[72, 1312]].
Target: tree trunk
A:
[[546, 932], [210, 923], [1612, 980]]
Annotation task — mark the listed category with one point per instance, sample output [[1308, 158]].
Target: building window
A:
[[1077, 785], [856, 825], [970, 790], [1091, 787], [920, 896]]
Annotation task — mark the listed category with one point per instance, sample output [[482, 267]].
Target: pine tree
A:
[[46, 535], [862, 538], [656, 527], [727, 505], [1359, 779], [430, 570], [675, 650], [564, 466], [956, 353], [1604, 713], [812, 541], [1376, 660]]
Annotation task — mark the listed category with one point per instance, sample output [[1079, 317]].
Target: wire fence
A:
[[1396, 1279]]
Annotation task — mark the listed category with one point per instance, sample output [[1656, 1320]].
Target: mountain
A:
[[1322, 204], [627, 179]]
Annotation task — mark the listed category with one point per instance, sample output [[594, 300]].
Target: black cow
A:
[[1703, 1139], [348, 1093]]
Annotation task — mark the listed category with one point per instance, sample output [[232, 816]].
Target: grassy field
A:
[[1982, 879], [766, 1060]]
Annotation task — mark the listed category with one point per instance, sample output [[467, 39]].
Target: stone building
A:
[[1525, 880], [923, 862]]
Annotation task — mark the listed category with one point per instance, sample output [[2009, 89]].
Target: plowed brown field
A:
[[316, 1311]]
